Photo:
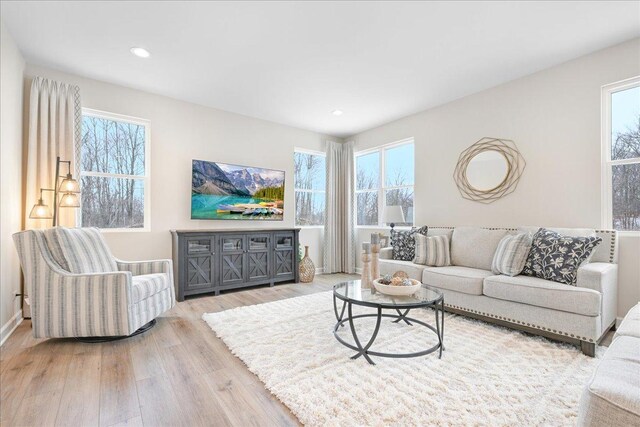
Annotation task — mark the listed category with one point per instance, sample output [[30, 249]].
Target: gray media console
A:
[[210, 261]]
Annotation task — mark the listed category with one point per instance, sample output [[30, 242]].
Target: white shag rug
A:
[[488, 375]]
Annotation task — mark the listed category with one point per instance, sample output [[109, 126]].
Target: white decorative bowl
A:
[[397, 290]]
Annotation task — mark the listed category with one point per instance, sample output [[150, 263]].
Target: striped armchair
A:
[[78, 289]]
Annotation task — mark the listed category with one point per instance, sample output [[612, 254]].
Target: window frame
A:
[[608, 164], [382, 188], [304, 190], [146, 178]]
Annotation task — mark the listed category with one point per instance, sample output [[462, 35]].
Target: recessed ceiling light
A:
[[140, 52], [337, 112]]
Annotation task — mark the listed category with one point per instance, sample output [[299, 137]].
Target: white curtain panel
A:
[[339, 230], [55, 120]]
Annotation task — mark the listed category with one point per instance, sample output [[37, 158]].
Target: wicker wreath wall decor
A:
[[514, 168]]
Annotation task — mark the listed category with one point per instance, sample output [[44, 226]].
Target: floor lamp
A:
[[69, 187]]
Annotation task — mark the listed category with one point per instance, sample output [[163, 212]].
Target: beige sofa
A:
[[580, 314], [612, 396]]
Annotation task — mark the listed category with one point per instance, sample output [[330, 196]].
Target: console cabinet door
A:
[[258, 257], [201, 268], [284, 255], [233, 259]]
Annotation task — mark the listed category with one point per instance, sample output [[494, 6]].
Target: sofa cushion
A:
[[390, 266], [403, 243], [455, 278], [630, 325], [556, 257], [80, 250], [433, 251], [474, 247], [511, 254], [544, 293], [612, 396], [147, 285]]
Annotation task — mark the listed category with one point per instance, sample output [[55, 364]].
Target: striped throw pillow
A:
[[432, 251], [83, 250], [511, 254]]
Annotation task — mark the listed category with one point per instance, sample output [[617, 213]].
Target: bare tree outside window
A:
[[310, 186], [384, 177], [624, 162], [626, 180], [113, 173]]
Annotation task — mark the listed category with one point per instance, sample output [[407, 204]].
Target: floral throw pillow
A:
[[404, 244], [557, 257]]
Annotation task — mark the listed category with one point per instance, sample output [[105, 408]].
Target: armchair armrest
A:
[[95, 304], [602, 277], [146, 267], [386, 253]]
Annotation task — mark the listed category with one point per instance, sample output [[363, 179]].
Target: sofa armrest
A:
[[602, 277], [386, 253]]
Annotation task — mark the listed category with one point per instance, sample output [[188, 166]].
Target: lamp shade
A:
[[70, 200], [40, 211], [69, 185], [392, 214]]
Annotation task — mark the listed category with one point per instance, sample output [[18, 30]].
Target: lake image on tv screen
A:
[[223, 191]]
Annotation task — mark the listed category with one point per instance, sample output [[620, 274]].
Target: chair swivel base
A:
[[142, 329]]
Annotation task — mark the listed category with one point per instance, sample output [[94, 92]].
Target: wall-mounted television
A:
[[234, 192]]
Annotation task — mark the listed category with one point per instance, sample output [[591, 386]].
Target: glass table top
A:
[[352, 291]]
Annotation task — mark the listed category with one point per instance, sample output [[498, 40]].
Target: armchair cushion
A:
[[80, 250], [147, 285]]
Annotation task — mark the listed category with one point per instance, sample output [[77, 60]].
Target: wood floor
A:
[[178, 373]]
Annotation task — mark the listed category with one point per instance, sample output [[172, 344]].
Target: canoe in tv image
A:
[[224, 191]]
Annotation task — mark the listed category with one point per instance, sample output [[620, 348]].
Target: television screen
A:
[[224, 191]]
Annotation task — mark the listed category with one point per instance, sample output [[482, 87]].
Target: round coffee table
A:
[[351, 293]]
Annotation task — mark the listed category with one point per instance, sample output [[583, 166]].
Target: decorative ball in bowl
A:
[[396, 286]]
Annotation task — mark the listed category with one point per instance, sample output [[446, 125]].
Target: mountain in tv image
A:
[[225, 191]]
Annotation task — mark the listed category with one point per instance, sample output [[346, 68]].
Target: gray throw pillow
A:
[[432, 251], [403, 243], [557, 257], [511, 254]]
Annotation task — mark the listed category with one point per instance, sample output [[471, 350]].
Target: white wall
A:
[[180, 132], [11, 74], [554, 118]]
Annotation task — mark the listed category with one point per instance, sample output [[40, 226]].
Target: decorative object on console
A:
[[224, 191], [511, 254], [488, 170], [432, 251], [69, 187], [375, 255], [307, 268], [556, 257], [392, 214], [403, 243], [366, 272]]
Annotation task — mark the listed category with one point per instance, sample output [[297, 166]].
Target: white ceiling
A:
[[296, 62]]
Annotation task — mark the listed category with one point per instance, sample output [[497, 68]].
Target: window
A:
[[384, 177], [621, 151], [114, 171], [310, 185]]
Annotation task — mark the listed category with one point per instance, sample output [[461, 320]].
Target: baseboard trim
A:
[[319, 270], [618, 321], [8, 328]]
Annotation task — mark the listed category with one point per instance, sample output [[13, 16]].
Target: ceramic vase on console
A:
[[307, 268]]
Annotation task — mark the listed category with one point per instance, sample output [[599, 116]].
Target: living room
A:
[[313, 181]]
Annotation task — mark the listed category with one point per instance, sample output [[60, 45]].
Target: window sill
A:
[[125, 230], [627, 233], [311, 227]]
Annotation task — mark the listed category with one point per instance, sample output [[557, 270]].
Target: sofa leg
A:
[[588, 348]]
